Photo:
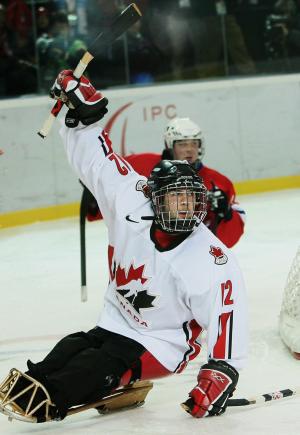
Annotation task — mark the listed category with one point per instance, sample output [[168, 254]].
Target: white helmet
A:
[[181, 129]]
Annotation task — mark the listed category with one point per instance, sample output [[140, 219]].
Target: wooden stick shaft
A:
[[82, 64]]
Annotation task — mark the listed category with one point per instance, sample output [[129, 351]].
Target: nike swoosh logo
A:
[[130, 220]]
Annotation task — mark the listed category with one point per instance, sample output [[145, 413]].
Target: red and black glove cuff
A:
[[85, 103], [216, 382]]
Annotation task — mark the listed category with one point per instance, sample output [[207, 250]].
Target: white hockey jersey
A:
[[163, 300]]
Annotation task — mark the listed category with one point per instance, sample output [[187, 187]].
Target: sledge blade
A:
[[126, 397]]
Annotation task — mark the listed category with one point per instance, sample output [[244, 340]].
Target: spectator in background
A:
[[61, 39], [1, 152], [220, 44], [17, 65], [240, 61], [291, 26], [58, 49], [43, 43], [77, 16], [42, 21], [19, 17], [22, 74], [283, 37]]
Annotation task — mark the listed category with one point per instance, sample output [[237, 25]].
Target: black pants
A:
[[86, 366]]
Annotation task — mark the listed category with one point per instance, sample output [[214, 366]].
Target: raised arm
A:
[[88, 146]]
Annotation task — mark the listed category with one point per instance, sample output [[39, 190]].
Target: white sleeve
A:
[[222, 311], [103, 172]]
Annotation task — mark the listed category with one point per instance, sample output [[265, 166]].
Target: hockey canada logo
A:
[[141, 186], [131, 293], [220, 257]]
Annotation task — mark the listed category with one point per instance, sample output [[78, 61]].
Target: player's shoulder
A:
[[143, 163], [205, 171], [204, 238], [204, 251], [210, 252], [204, 259]]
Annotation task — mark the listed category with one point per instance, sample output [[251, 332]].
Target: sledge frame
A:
[[129, 396]]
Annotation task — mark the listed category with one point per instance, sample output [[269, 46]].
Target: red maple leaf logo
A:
[[216, 252], [133, 296], [133, 274], [220, 257], [123, 278]]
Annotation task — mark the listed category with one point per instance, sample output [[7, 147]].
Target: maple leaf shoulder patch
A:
[[218, 254]]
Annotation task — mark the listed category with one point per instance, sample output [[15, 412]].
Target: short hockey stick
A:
[[122, 23], [267, 397]]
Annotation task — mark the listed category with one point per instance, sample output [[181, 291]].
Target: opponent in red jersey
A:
[[184, 141]]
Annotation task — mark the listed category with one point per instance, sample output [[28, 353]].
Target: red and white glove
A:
[[86, 104], [216, 383]]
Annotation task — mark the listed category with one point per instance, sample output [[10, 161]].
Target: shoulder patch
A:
[[141, 186], [218, 254]]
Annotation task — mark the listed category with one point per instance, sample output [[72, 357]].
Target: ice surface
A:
[[40, 302]]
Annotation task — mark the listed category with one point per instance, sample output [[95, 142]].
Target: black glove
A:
[[85, 103], [219, 203]]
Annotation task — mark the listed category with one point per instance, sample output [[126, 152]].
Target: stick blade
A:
[[123, 22]]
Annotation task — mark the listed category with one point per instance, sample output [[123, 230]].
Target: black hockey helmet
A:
[[178, 195]]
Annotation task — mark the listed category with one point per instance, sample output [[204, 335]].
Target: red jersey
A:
[[228, 231]]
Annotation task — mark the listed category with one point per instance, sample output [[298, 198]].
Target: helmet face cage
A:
[[180, 206]]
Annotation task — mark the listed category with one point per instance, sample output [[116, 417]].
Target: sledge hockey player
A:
[[171, 279]]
